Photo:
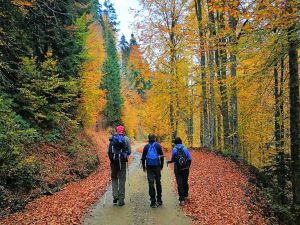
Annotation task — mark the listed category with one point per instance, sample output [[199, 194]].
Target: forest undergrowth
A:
[[68, 206]]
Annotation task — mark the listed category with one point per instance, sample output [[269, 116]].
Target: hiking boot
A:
[[186, 199], [159, 202], [121, 203], [115, 201], [153, 204], [181, 203]]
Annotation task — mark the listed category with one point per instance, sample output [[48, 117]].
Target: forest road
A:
[[137, 208]]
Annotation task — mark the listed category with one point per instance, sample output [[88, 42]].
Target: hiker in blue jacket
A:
[[182, 161], [153, 162]]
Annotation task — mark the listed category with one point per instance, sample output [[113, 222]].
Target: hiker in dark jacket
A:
[[153, 162], [182, 161], [118, 151]]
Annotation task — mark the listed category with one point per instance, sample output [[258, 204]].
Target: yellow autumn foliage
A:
[[92, 101]]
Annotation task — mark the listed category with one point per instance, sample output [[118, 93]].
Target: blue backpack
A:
[[118, 149], [152, 158]]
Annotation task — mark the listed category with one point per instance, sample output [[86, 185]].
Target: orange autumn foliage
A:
[[22, 3], [222, 194], [92, 101]]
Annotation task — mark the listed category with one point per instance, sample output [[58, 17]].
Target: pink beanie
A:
[[120, 129]]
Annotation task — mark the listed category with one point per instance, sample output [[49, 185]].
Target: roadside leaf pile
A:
[[220, 193]]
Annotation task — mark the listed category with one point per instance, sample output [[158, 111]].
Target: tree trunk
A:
[[190, 133], [173, 59], [277, 110], [234, 100], [204, 103], [174, 86], [191, 122], [294, 116], [212, 31], [279, 132], [201, 129], [219, 131], [198, 9], [212, 102], [224, 100], [221, 75], [282, 104], [172, 120]]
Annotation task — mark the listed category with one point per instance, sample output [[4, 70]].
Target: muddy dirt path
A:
[[137, 209]]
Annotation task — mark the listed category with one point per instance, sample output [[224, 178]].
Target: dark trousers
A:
[[118, 177], [154, 175], [182, 177]]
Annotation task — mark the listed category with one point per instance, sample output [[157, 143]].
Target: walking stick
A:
[[127, 168]]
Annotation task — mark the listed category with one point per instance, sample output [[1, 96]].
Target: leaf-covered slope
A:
[[69, 205], [220, 193]]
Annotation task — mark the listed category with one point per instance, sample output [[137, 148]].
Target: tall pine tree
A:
[[111, 69]]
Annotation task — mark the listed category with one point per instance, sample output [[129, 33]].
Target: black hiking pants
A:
[[154, 175], [118, 177], [182, 177]]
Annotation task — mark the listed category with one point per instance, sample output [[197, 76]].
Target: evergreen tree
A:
[[14, 43], [111, 82], [125, 51], [135, 68], [110, 13], [40, 61], [43, 33]]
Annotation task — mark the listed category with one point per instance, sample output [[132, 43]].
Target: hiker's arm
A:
[[161, 156], [128, 145], [189, 157], [172, 158], [109, 147], [109, 150], [144, 158], [173, 155]]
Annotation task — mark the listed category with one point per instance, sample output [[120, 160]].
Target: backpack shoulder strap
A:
[[181, 148], [151, 145], [118, 137]]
